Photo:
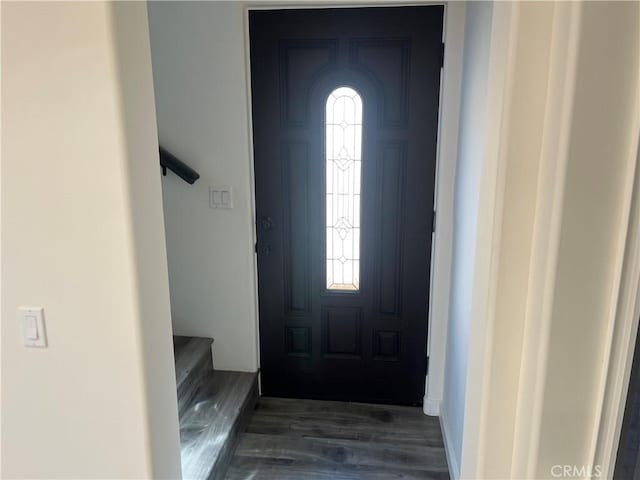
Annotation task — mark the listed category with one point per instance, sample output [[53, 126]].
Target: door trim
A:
[[625, 313], [453, 31], [442, 242]]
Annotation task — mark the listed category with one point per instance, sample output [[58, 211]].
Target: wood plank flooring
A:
[[289, 439]]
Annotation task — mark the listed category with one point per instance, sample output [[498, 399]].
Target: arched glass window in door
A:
[[343, 182]]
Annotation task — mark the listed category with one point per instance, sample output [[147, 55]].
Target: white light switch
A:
[[221, 197], [30, 327], [32, 319]]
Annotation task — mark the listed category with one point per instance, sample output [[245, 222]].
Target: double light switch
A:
[[220, 197]]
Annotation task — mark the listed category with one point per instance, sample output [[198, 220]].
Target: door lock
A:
[[263, 248]]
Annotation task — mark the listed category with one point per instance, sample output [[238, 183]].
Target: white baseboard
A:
[[431, 407], [452, 460]]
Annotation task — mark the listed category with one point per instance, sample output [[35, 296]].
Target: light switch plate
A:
[[32, 323], [221, 197]]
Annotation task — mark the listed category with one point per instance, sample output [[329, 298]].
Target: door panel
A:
[[366, 343]]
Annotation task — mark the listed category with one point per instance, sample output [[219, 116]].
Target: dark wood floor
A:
[[310, 440]]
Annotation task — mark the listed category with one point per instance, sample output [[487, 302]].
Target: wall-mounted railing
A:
[[171, 162]]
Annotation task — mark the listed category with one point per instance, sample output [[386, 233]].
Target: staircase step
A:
[[193, 362], [213, 421]]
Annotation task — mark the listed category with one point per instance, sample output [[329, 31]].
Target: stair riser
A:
[[189, 386], [221, 465], [211, 426]]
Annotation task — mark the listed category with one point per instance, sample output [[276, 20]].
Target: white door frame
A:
[[447, 143], [626, 309]]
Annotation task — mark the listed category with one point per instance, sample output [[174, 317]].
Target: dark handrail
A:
[[184, 171]]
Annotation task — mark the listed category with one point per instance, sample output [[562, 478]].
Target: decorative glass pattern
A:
[[343, 163]]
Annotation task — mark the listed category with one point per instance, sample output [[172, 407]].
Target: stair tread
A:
[[209, 426], [188, 352]]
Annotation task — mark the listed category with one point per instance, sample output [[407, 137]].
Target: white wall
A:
[[468, 173], [593, 230], [82, 236], [198, 51], [523, 144], [131, 34]]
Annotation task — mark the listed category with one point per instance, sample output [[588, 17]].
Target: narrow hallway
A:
[[290, 439]]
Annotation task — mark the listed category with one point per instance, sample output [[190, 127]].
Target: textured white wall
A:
[[82, 236], [198, 51]]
